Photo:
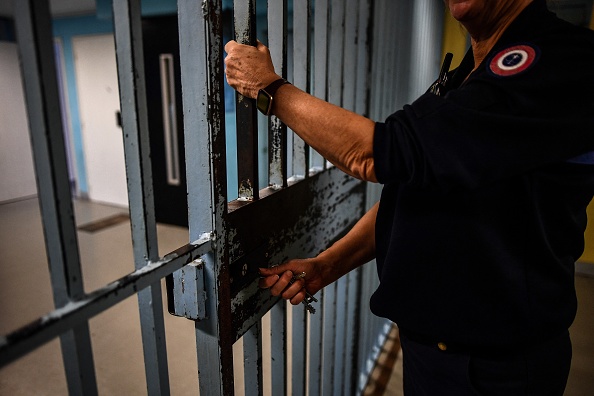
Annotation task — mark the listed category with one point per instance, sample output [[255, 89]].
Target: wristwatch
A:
[[266, 95]]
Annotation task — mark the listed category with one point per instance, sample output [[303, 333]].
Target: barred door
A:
[[302, 211]]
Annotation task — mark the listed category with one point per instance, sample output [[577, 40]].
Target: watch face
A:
[[263, 102]]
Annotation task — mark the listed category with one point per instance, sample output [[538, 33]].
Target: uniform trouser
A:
[[541, 370]]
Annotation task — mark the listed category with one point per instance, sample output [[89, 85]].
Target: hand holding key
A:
[[295, 280]]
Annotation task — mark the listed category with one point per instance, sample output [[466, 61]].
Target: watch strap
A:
[[275, 85], [266, 96]]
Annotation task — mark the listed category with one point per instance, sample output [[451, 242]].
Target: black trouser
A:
[[538, 371]]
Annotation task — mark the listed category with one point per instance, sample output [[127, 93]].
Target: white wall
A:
[[99, 100], [17, 177]]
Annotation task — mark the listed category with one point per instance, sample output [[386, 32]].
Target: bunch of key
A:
[[308, 297]]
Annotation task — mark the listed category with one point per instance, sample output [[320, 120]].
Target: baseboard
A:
[[19, 199]]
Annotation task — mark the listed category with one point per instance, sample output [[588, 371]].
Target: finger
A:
[[281, 284], [298, 298], [230, 45], [268, 281], [277, 270], [261, 47], [291, 291]]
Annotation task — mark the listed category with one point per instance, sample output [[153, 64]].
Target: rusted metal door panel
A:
[[292, 218], [299, 221]]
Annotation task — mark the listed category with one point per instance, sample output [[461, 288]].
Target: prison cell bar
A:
[[131, 79], [335, 96], [244, 15], [351, 65], [301, 79], [278, 167], [55, 323], [201, 51], [277, 131], [301, 76], [33, 23], [320, 323]]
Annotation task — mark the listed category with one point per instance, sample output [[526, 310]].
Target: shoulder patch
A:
[[513, 60]]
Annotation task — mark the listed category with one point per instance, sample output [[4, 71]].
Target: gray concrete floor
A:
[[106, 255]]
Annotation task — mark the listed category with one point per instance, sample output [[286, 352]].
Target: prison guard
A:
[[485, 188]]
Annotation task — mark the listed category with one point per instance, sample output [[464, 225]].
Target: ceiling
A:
[[578, 12], [58, 7]]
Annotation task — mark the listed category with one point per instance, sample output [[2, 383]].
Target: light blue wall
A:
[[66, 29]]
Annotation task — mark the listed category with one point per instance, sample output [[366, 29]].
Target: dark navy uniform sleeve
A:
[[493, 126]]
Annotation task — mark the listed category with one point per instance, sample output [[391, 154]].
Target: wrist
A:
[[266, 96]]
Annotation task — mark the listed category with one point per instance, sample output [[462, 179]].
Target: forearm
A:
[[356, 248], [339, 135]]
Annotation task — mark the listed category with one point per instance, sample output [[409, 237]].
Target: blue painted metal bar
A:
[[130, 59], [355, 98], [277, 131], [320, 86], [252, 358], [336, 52], [315, 347], [299, 350], [244, 13], [328, 302], [277, 42], [301, 77], [34, 35], [278, 347], [319, 323], [35, 334], [364, 57], [329, 340], [335, 96], [349, 62], [201, 51]]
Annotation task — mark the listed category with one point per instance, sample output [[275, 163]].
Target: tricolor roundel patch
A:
[[513, 60]]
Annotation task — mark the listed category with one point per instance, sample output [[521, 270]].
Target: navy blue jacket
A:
[[482, 214]]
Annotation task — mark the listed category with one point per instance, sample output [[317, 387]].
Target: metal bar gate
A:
[[213, 279]]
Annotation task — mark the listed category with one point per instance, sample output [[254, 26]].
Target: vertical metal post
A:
[[321, 326], [352, 279], [277, 131], [247, 123], [335, 96], [277, 148], [130, 59], [201, 51], [252, 357], [301, 76], [376, 53], [364, 57], [278, 347], [349, 57], [34, 32], [320, 88]]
